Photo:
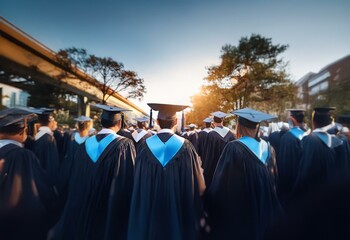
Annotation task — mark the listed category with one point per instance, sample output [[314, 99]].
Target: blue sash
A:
[[94, 148], [330, 140], [260, 149], [164, 152], [297, 132]]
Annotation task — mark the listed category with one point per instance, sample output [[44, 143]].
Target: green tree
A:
[[110, 73], [252, 74]]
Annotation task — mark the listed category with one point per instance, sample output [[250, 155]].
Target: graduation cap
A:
[[166, 111], [141, 119], [322, 115], [208, 120], [13, 119], [192, 125], [110, 113], [251, 118], [219, 114], [82, 119]]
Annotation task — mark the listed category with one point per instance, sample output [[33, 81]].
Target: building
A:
[[312, 86], [13, 97]]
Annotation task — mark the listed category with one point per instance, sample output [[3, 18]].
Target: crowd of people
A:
[[291, 182]]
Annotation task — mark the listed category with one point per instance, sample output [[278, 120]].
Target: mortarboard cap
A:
[[166, 111], [82, 119], [141, 119], [192, 125], [219, 114], [110, 112], [14, 118], [296, 111], [208, 120], [251, 118], [324, 109]]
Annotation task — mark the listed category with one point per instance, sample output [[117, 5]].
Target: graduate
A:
[[168, 184], [242, 201], [100, 185], [25, 197], [193, 136], [274, 138], [319, 163], [140, 134], [290, 153], [84, 124], [202, 135], [214, 145], [45, 147]]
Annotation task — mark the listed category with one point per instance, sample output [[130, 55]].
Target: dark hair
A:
[[321, 119], [217, 120], [82, 125], [168, 123], [208, 124], [299, 117], [140, 125], [109, 123], [13, 129]]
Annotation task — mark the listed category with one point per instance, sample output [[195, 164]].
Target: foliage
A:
[[110, 73], [265, 86]]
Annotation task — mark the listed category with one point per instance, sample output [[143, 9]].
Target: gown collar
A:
[[42, 131], [4, 142]]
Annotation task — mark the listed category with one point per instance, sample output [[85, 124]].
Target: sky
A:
[[171, 43]]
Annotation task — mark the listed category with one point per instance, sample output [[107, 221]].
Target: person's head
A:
[[192, 126], [167, 114], [141, 122], [218, 118], [297, 117], [322, 117], [111, 117], [83, 123], [13, 124], [208, 121], [46, 118], [248, 123]]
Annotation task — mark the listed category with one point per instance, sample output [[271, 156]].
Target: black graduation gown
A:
[[59, 137], [202, 135], [140, 141], [26, 200], [275, 140], [46, 151], [166, 200], [318, 166], [125, 133], [71, 147], [214, 145], [241, 201], [99, 195], [193, 138], [288, 161]]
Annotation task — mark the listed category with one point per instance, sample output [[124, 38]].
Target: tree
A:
[[110, 73], [252, 75]]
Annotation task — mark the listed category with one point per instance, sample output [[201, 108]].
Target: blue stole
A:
[[260, 149], [330, 140], [164, 152], [94, 148], [297, 132]]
